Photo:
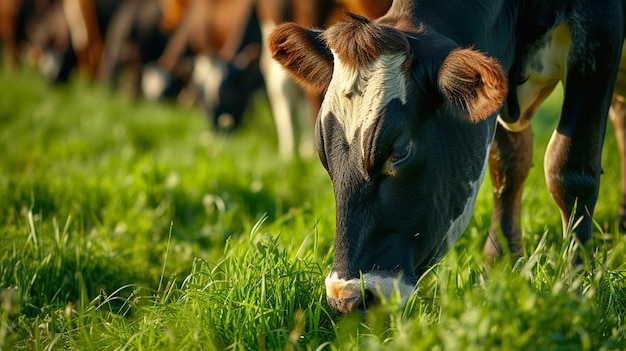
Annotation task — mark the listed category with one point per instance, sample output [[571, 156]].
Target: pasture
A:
[[131, 225]]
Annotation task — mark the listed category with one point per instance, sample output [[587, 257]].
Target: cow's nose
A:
[[348, 301], [344, 304], [345, 296]]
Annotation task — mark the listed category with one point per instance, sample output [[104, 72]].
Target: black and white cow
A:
[[410, 115]]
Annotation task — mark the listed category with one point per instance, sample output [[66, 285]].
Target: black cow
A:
[[224, 39], [410, 113], [134, 38]]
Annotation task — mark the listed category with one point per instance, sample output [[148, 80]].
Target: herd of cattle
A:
[[209, 51], [411, 102]]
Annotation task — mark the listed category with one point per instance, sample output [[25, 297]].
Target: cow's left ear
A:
[[303, 53], [473, 82]]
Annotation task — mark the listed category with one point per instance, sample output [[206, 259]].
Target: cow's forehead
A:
[[357, 95]]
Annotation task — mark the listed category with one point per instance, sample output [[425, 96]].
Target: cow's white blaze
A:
[[356, 96]]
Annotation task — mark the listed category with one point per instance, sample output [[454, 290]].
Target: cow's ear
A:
[[473, 82], [304, 54]]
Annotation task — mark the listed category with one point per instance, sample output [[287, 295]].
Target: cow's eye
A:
[[400, 154]]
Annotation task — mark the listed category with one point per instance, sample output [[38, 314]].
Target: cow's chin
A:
[[345, 296]]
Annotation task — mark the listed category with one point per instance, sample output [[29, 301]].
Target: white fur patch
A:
[[545, 68], [356, 96], [154, 81], [208, 73]]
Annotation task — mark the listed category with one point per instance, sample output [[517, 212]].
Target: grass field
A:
[[130, 225]]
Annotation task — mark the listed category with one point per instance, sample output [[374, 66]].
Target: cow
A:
[[224, 39], [418, 102], [134, 38], [59, 36]]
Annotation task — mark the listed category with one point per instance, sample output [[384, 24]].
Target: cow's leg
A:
[[572, 170], [618, 117], [573, 157], [510, 159], [86, 38], [283, 95]]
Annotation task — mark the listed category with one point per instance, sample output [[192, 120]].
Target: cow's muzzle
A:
[[345, 296]]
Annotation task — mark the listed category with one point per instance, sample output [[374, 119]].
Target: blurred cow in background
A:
[[291, 106], [223, 37], [209, 49], [88, 22], [57, 35], [136, 37], [371, 9]]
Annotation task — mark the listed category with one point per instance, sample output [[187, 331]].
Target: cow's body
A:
[[409, 116]]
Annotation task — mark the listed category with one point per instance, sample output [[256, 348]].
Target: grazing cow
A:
[[63, 35], [410, 112], [224, 37], [136, 37]]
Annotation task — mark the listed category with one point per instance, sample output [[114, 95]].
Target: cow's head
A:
[[404, 131]]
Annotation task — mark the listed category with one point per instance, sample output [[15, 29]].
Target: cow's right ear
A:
[[304, 54], [473, 82]]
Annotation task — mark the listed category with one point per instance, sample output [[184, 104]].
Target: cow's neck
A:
[[451, 19]]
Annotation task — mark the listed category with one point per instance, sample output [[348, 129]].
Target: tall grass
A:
[[130, 225]]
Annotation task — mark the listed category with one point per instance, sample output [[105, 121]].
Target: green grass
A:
[[130, 225]]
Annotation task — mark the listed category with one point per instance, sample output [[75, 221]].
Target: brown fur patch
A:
[[359, 41], [474, 82], [303, 55]]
